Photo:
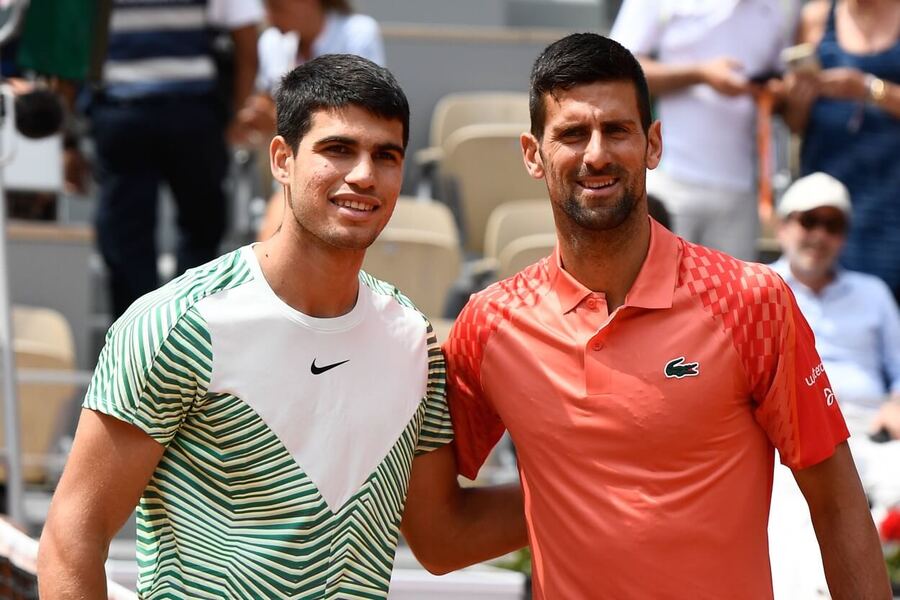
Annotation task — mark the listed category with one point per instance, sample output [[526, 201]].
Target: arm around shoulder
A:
[[449, 527], [851, 551], [109, 467]]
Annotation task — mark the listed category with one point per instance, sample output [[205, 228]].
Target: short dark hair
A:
[[583, 58], [334, 81], [339, 6]]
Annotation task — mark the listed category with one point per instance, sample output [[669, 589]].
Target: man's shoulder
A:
[[868, 288], [162, 309], [524, 289], [704, 269]]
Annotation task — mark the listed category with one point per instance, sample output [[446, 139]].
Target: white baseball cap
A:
[[815, 191]]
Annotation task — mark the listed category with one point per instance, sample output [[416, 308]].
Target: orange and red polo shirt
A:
[[645, 437]]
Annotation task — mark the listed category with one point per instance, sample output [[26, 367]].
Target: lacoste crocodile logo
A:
[[677, 368]]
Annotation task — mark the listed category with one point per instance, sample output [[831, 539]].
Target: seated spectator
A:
[[853, 315], [857, 329]]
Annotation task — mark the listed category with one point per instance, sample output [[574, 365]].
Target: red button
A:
[[592, 304], [596, 346]]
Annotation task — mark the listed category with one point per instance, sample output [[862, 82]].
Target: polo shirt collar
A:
[[655, 283]]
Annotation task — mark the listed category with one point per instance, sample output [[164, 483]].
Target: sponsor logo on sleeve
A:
[[817, 372]]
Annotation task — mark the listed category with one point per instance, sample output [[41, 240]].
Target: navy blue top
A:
[[859, 144]]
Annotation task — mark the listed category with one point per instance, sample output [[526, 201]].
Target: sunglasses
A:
[[832, 225]]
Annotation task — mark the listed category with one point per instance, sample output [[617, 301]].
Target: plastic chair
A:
[[455, 111], [419, 253], [524, 251], [484, 165], [43, 340], [515, 219]]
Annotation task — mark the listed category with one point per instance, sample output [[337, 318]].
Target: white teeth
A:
[[598, 186], [355, 205]]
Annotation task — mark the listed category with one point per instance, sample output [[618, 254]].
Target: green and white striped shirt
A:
[[289, 439]]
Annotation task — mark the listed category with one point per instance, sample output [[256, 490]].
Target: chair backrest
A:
[[484, 162], [422, 264], [524, 251], [43, 340], [416, 214], [471, 108], [512, 220]]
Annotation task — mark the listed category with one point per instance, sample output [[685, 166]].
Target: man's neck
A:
[[607, 261], [308, 275], [814, 281]]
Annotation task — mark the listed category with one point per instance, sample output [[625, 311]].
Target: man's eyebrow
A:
[[391, 147], [337, 139], [348, 141]]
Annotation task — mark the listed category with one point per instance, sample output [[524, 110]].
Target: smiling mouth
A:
[[598, 185], [354, 205]]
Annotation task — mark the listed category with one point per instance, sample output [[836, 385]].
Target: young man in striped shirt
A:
[[272, 408]]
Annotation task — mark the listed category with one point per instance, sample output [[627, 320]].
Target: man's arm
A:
[[449, 527], [851, 552], [107, 470], [245, 63], [722, 74]]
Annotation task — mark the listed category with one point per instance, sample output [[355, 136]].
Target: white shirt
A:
[[342, 34], [857, 327], [234, 14], [708, 138]]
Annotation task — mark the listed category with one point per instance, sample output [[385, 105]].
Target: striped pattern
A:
[[228, 512]]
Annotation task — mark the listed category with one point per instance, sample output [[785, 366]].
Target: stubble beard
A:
[[604, 218]]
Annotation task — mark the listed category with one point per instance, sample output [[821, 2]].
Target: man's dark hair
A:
[[583, 58], [333, 81], [339, 6]]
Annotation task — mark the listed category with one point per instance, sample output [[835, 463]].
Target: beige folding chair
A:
[[471, 108], [485, 164], [43, 340], [419, 253], [515, 219], [524, 251], [423, 215]]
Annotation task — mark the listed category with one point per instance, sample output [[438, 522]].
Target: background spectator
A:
[[854, 318], [849, 115], [157, 118], [699, 58]]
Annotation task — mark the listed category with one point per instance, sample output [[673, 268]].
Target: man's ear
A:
[[280, 159], [654, 145], [531, 154]]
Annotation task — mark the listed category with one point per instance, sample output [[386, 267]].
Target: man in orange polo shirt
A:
[[646, 381]]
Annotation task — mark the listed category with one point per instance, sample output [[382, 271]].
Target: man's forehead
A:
[[352, 117], [615, 98]]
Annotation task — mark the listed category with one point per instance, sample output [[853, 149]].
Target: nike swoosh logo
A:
[[319, 370]]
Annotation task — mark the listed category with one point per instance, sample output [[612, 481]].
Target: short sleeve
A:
[[638, 26], [795, 402], [437, 429], [476, 425], [150, 375]]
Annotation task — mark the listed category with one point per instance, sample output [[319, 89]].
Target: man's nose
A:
[[595, 153], [363, 172]]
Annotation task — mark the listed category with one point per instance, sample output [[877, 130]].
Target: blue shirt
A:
[[857, 327]]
